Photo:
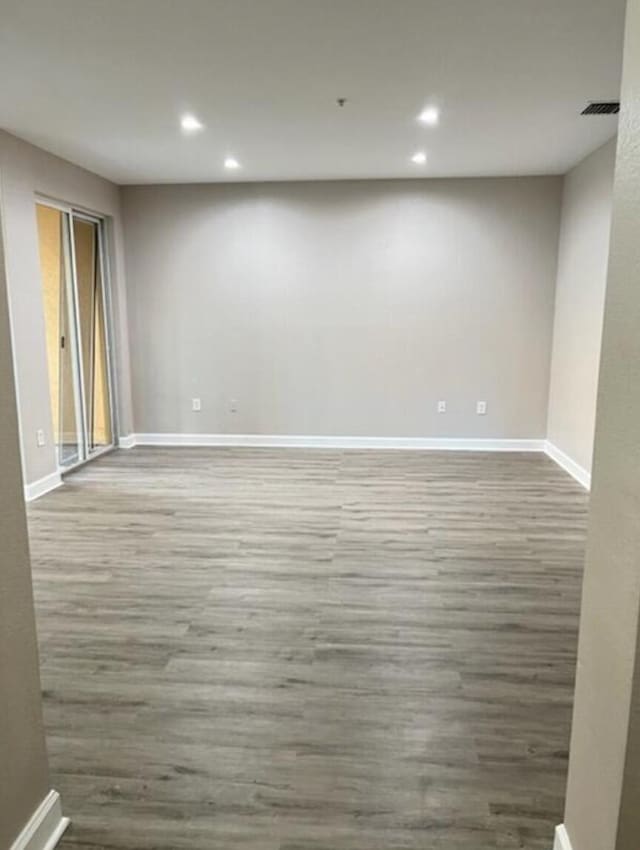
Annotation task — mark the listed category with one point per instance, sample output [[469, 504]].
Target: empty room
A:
[[320, 380]]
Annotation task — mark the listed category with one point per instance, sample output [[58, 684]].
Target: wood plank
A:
[[309, 650]]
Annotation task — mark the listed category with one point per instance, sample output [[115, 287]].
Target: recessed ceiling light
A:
[[430, 116], [419, 158], [190, 124], [231, 162]]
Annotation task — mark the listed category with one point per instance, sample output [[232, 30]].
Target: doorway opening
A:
[[75, 298]]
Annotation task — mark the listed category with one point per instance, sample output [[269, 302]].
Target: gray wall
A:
[[26, 170], [343, 308], [24, 777], [602, 811], [579, 310]]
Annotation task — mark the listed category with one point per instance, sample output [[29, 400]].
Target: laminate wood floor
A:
[[254, 649]]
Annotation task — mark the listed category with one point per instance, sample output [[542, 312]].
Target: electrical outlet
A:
[[233, 406], [481, 408], [442, 407], [196, 405], [40, 437]]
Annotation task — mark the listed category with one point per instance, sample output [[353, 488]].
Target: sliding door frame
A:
[[69, 312], [82, 415]]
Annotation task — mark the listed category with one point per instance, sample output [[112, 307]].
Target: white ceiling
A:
[[103, 83]]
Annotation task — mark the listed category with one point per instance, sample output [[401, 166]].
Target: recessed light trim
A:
[[190, 124], [231, 162], [419, 158], [430, 116]]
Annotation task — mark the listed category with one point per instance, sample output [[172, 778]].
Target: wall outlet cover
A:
[[481, 408], [442, 407]]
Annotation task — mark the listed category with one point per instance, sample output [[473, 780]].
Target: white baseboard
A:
[[408, 443], [41, 486], [569, 465], [45, 827], [562, 841], [304, 441]]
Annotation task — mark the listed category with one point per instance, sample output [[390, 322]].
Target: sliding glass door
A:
[[77, 332], [92, 327]]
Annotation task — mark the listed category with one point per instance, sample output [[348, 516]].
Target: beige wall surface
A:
[[343, 308], [580, 293], [24, 779], [26, 170], [602, 811]]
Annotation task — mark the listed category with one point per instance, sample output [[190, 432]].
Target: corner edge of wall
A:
[[579, 473]]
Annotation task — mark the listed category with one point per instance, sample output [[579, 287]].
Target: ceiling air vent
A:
[[604, 107]]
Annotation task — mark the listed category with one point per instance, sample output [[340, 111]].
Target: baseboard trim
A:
[[45, 827], [569, 465], [562, 841], [41, 486], [315, 442], [310, 442]]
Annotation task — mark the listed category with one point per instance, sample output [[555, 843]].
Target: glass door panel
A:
[[92, 332], [53, 236], [76, 330], [101, 432]]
